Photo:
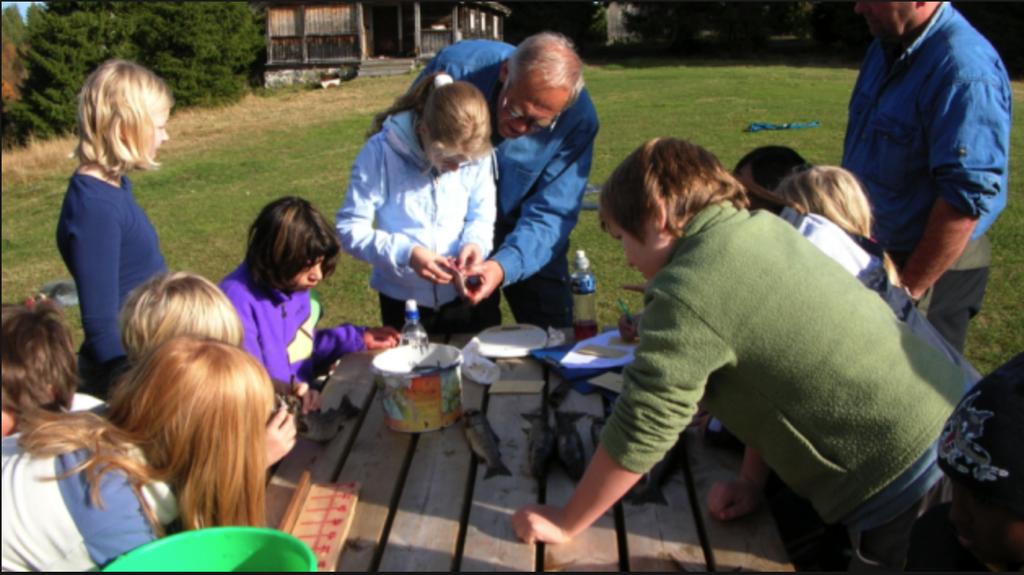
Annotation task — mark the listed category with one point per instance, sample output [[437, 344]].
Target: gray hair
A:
[[554, 56]]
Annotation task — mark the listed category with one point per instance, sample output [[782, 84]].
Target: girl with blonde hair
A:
[[104, 237], [187, 304], [826, 197], [421, 202], [80, 489], [836, 195]]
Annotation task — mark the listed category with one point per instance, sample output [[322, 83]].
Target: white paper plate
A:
[[504, 341]]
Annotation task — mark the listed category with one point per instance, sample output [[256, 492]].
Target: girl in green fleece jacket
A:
[[806, 366]]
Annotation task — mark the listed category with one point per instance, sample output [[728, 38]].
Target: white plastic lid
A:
[[581, 260], [410, 305]]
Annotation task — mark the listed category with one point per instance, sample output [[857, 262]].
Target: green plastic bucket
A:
[[220, 549]]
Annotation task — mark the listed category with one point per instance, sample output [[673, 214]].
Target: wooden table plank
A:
[[424, 534], [351, 377], [597, 548], [664, 537], [491, 544], [750, 543], [376, 460]]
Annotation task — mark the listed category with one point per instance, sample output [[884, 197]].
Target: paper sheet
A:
[[603, 351]]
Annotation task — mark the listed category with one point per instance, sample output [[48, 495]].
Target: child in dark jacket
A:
[[105, 238], [979, 450]]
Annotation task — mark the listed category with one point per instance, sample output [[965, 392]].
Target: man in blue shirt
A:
[[929, 136], [543, 126]]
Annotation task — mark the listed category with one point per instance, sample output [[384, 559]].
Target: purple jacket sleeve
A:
[[332, 343]]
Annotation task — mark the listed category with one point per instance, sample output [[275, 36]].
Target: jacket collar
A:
[[276, 296]]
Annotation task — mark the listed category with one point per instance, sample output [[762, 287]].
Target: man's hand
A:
[[941, 244], [429, 265], [280, 435], [539, 524], [491, 275], [732, 499], [381, 337]]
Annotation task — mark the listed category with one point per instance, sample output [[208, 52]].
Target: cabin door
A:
[[385, 31]]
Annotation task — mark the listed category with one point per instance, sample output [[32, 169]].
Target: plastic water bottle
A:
[[584, 308], [412, 332]]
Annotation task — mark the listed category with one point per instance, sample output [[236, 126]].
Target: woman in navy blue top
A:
[[104, 237]]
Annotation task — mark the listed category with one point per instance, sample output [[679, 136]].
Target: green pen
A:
[[625, 310]]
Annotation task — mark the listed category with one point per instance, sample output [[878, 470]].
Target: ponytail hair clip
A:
[[442, 79]]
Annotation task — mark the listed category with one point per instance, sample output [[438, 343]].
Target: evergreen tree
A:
[[65, 42], [13, 26], [203, 50]]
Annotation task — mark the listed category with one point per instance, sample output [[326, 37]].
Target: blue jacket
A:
[[936, 125], [541, 176], [280, 329], [110, 247], [397, 201]]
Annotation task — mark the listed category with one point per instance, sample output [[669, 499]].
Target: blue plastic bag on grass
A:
[[759, 126]]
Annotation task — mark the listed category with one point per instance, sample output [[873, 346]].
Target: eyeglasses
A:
[[531, 123]]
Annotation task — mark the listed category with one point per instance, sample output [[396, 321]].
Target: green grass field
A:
[[223, 165]]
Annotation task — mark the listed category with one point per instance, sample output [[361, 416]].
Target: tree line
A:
[[212, 52]]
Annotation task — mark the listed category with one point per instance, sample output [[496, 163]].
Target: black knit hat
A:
[[981, 444]]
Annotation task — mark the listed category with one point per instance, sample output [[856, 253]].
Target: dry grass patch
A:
[[197, 130]]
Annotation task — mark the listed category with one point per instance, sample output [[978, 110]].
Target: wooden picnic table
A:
[[424, 504]]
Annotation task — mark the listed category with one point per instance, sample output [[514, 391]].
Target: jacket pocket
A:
[[826, 461], [895, 152]]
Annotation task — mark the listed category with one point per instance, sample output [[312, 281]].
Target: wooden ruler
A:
[[320, 514]]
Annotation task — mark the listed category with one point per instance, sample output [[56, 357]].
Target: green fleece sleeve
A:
[[677, 353]]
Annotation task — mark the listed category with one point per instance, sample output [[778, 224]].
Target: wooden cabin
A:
[[310, 41]]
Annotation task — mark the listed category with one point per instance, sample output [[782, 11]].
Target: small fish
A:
[[320, 426], [541, 442], [484, 442], [648, 489], [596, 426], [570, 444]]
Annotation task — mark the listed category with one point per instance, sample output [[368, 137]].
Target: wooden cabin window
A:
[[330, 20]]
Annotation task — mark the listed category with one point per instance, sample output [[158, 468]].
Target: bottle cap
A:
[[581, 260], [410, 305]]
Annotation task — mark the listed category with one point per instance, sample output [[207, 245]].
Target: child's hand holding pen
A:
[[627, 323]]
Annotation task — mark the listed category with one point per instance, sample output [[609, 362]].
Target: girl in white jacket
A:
[[421, 202]]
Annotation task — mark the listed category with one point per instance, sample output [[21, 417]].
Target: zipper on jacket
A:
[[435, 180]]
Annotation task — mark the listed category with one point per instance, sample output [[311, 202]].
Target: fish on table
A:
[[484, 442], [596, 426], [320, 425], [540, 442], [570, 444]]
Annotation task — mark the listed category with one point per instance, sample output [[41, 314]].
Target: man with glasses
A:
[[543, 130]]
